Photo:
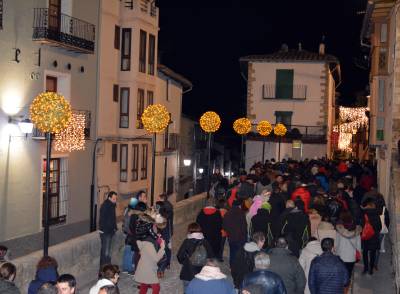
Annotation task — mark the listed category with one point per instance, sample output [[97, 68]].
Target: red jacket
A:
[[304, 195]]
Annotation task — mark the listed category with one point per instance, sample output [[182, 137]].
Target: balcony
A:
[[273, 91], [62, 30]]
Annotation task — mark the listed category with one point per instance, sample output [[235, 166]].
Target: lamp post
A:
[[155, 119], [209, 123], [264, 128], [242, 126], [280, 131]]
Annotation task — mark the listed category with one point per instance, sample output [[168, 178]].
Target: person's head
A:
[[194, 228], [112, 196], [142, 196], [3, 253], [259, 239], [46, 262], [327, 244], [66, 284], [163, 197], [221, 203], [48, 288], [290, 204], [110, 272], [109, 289], [141, 206], [212, 262], [279, 179], [262, 261], [8, 271], [281, 242]]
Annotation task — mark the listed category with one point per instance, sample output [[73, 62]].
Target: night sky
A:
[[203, 41]]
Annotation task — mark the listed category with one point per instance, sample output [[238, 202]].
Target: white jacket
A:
[[100, 283], [347, 242], [309, 252]]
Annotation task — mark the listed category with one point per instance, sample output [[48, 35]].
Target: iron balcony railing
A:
[[63, 30], [273, 91]]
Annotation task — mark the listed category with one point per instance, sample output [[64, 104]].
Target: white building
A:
[[296, 88]]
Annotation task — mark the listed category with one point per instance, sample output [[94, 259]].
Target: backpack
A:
[[199, 255], [125, 224]]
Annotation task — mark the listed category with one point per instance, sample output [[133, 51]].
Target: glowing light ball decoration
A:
[[280, 130], [264, 128], [73, 136], [210, 122], [50, 112], [242, 126], [155, 118]]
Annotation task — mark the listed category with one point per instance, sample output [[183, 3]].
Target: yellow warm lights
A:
[[210, 122], [73, 136], [280, 130], [264, 128], [50, 112], [155, 118], [242, 126]]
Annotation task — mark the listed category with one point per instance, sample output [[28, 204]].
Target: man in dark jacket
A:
[[210, 221], [328, 274], [235, 225], [287, 266], [107, 227], [270, 282]]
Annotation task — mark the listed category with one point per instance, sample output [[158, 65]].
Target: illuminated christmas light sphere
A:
[[50, 112], [280, 130], [73, 136], [155, 118], [242, 126], [210, 122], [264, 128]]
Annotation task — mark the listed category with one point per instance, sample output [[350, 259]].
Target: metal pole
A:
[[93, 206], [263, 152], [279, 149], [46, 198], [241, 152], [209, 165], [153, 167]]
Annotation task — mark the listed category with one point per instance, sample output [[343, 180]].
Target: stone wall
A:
[[81, 256]]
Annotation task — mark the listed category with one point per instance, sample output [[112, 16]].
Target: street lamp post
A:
[[280, 131], [242, 126], [264, 128]]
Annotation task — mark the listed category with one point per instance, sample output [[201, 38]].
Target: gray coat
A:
[[7, 287], [287, 266]]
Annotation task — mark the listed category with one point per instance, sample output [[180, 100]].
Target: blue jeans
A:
[[105, 252], [234, 247], [127, 260]]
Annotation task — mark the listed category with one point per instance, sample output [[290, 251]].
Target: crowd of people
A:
[[291, 227]]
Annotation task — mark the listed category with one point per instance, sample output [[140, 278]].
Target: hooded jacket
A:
[[296, 227], [312, 250], [100, 283], [325, 230], [243, 262], [43, 275], [262, 222], [304, 195], [210, 281], [210, 221], [8, 287], [347, 242]]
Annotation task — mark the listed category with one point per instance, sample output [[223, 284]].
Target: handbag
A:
[[358, 253], [368, 231], [384, 229]]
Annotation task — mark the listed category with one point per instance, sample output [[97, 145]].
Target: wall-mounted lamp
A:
[[25, 125], [201, 170], [187, 162]]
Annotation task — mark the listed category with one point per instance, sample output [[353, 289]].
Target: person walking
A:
[[46, 271], [167, 211], [8, 272], [109, 275], [312, 250], [107, 226]]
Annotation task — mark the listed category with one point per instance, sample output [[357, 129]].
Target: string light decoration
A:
[[242, 126], [73, 136], [280, 130], [50, 112], [264, 128], [210, 122], [155, 118], [345, 141]]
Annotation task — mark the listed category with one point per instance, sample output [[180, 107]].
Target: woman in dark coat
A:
[[210, 221], [262, 222], [370, 246]]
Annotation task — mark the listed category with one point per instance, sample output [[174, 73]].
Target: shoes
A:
[[131, 273]]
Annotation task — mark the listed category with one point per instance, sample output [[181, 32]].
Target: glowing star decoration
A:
[[210, 122], [155, 118], [280, 130], [242, 126], [50, 112], [73, 136], [264, 128]]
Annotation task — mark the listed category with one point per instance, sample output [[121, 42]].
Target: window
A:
[[380, 128], [142, 51], [140, 108], [114, 153], [126, 50], [145, 149], [150, 98], [124, 108], [381, 96], [284, 84], [1, 14], [135, 162], [383, 36], [170, 186], [284, 117], [123, 165], [117, 37], [152, 54], [58, 193], [51, 84], [115, 93]]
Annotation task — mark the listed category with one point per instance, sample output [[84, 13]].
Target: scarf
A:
[[257, 202], [197, 236], [210, 273]]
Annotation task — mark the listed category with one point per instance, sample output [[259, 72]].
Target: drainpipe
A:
[[364, 29]]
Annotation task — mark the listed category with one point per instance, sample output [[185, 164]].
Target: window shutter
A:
[[114, 153], [117, 37], [284, 84], [115, 93]]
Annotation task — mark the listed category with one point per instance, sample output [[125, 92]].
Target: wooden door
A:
[[54, 15]]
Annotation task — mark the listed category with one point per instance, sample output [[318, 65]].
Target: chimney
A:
[[322, 46], [285, 47], [300, 47]]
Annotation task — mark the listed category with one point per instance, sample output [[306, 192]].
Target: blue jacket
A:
[[328, 275], [42, 276], [220, 286], [269, 281]]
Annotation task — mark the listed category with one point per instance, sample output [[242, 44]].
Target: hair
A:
[[258, 237], [212, 262], [281, 242], [7, 270], [346, 217], [67, 278], [46, 262], [221, 203], [327, 244], [194, 228], [262, 261], [47, 288], [110, 289], [111, 194], [163, 196], [139, 193], [290, 204], [109, 271], [141, 206]]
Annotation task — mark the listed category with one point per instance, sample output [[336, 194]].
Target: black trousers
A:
[[369, 259]]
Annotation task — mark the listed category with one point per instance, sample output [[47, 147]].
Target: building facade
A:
[[296, 88]]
